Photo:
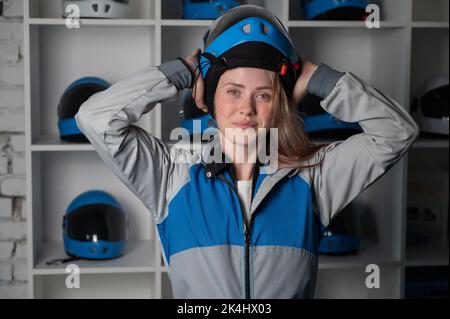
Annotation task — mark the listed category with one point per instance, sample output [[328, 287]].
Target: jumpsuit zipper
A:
[[247, 226]]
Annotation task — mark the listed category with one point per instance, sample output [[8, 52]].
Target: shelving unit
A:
[[390, 58]]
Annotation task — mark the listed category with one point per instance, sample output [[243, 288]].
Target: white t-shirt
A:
[[245, 194]]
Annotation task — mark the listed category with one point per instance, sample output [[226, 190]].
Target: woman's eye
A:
[[264, 96], [232, 92]]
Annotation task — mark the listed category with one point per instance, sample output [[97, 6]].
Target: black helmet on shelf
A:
[[76, 94], [95, 226], [319, 123], [430, 106]]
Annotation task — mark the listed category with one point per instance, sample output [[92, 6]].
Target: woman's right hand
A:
[[199, 87]]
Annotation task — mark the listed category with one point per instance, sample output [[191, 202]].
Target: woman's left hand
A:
[[308, 69]]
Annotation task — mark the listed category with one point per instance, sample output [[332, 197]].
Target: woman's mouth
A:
[[243, 125]]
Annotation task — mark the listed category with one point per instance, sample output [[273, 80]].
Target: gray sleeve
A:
[[352, 165], [141, 161]]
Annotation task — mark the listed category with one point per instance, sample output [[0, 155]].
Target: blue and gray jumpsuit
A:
[[211, 249]]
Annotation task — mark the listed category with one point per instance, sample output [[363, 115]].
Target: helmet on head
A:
[[430, 106], [247, 36], [334, 9], [112, 9], [76, 94], [95, 226]]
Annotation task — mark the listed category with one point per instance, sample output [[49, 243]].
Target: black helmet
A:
[[319, 123], [76, 94], [247, 36]]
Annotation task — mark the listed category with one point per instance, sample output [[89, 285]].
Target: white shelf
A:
[[342, 24], [93, 22], [431, 143], [138, 258], [427, 257], [430, 24], [52, 143], [369, 253], [186, 23]]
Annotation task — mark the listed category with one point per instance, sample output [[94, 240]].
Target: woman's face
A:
[[244, 99]]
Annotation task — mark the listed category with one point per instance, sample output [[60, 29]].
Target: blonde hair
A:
[[294, 145]]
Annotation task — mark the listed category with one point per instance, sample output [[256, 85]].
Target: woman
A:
[[230, 229]]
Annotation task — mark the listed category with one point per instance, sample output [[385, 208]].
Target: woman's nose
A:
[[247, 107]]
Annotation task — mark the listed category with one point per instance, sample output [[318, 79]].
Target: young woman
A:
[[230, 229]]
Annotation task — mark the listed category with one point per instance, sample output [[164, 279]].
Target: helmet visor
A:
[[97, 222]]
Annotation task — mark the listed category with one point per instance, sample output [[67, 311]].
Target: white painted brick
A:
[[21, 250], [11, 30], [9, 51], [4, 141], [23, 207], [12, 120], [5, 271], [17, 142], [10, 230], [6, 204], [19, 210], [12, 97], [3, 164], [12, 8], [11, 75], [12, 186], [14, 291], [20, 272], [6, 249], [18, 164]]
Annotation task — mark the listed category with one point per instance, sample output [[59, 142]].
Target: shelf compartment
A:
[[139, 257], [430, 45], [173, 9], [431, 256], [96, 286], [360, 51], [60, 56], [390, 11], [61, 176], [351, 283], [423, 11], [139, 9]]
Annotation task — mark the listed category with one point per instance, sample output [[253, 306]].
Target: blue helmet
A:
[[206, 9], [76, 94], [334, 9], [342, 236], [319, 123], [95, 226], [247, 36]]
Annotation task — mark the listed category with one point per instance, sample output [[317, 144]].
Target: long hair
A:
[[294, 146]]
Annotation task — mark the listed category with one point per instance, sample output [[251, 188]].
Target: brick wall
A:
[[13, 245]]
